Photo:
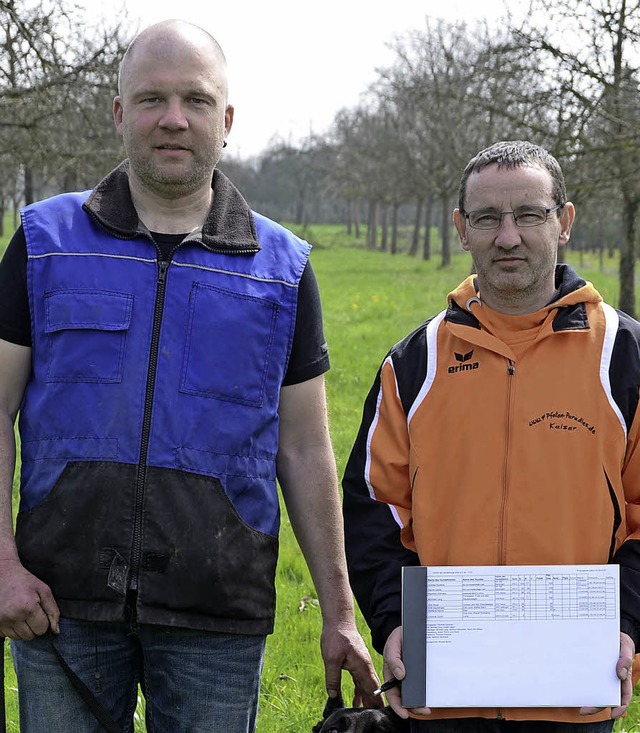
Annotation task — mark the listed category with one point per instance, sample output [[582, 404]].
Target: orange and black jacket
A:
[[468, 455]]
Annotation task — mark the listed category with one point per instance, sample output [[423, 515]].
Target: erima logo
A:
[[465, 364]]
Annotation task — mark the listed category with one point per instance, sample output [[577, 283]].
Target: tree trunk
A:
[[301, 214], [394, 228], [349, 216], [601, 255], [426, 242], [16, 212], [628, 257], [446, 232], [29, 196], [413, 250], [600, 244], [69, 182], [372, 224], [385, 228]]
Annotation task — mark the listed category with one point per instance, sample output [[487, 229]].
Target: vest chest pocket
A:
[[229, 345], [86, 333]]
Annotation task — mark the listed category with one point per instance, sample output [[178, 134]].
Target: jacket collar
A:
[[570, 303], [229, 227]]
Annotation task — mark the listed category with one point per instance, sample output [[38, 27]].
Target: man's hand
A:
[[306, 471], [623, 670], [27, 606], [342, 647], [393, 667]]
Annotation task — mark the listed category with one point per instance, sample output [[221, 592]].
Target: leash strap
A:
[[3, 713], [100, 713]]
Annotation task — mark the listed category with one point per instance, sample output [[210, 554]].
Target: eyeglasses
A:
[[524, 216]]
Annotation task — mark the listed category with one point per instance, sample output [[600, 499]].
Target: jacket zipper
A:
[[511, 370], [141, 478]]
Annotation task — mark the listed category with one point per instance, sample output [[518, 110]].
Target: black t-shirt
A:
[[309, 354]]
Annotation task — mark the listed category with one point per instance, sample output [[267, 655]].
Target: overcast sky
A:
[[294, 64]]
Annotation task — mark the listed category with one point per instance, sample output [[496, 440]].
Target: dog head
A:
[[336, 718]]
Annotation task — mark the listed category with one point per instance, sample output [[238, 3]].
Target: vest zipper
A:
[[221, 251], [141, 478]]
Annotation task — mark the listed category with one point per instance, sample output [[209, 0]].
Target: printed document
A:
[[511, 636]]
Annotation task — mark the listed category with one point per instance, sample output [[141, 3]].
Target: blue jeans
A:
[[482, 725], [192, 681]]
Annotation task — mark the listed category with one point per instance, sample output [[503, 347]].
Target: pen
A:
[[393, 682]]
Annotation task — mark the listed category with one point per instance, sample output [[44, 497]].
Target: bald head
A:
[[172, 39]]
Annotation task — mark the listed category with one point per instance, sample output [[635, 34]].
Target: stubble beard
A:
[[170, 184], [515, 289]]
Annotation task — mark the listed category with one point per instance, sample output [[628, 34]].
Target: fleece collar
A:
[[229, 227]]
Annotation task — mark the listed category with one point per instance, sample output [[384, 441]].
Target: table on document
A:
[[521, 596]]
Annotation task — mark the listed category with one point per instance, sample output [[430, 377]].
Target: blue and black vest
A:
[[149, 427]]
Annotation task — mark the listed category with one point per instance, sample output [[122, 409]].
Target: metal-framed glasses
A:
[[524, 216]]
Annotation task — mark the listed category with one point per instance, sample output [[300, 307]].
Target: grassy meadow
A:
[[370, 300]]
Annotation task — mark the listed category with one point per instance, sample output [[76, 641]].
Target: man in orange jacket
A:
[[456, 463]]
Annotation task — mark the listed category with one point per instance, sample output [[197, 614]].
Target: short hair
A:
[[515, 154]]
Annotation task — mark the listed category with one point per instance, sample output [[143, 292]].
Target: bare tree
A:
[[420, 84], [455, 90], [57, 80], [596, 79], [362, 139]]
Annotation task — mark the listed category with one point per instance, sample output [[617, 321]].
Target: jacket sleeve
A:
[[625, 383], [628, 555], [377, 505]]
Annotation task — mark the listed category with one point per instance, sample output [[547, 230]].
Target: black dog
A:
[[338, 719]]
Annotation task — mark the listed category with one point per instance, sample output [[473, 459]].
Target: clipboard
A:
[[511, 636]]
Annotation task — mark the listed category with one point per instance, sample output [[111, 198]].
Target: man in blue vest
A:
[[164, 347]]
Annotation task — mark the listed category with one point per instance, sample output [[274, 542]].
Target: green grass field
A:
[[370, 300]]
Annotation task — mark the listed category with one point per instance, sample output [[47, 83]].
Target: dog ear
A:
[[332, 704]]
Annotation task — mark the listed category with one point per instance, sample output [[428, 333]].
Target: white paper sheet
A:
[[522, 636]]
